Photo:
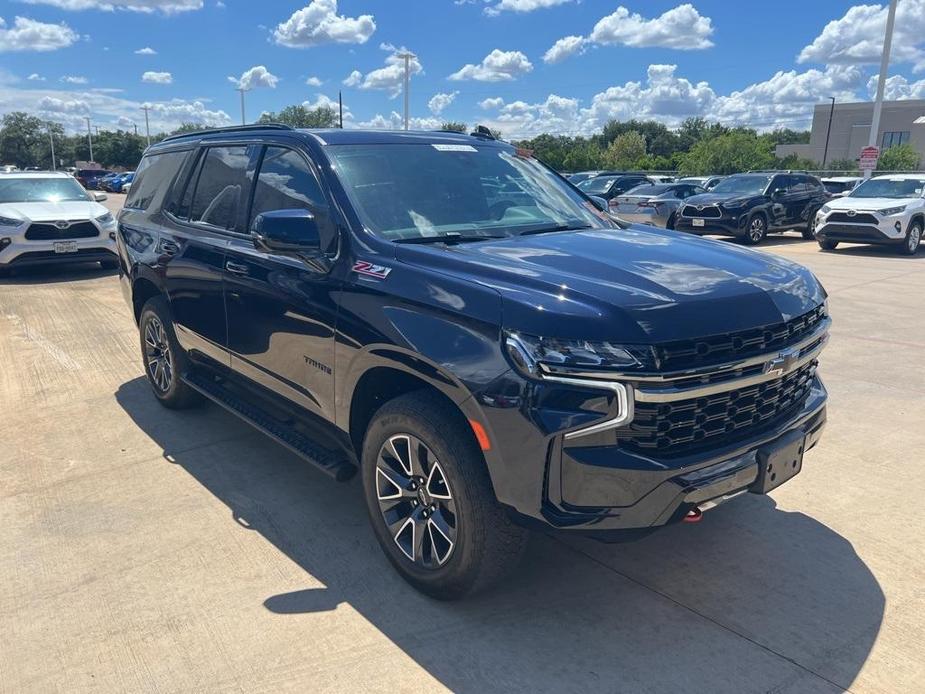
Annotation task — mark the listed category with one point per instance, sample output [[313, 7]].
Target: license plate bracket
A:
[[65, 246], [697, 222], [778, 462]]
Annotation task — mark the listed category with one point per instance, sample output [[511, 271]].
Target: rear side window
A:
[[285, 182], [153, 179], [222, 181]]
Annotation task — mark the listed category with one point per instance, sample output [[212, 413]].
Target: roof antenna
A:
[[482, 131]]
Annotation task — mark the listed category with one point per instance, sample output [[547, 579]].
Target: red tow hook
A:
[[693, 516]]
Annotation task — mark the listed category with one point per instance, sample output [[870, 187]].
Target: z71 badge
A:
[[366, 268]]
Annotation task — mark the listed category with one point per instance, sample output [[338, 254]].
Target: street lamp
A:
[[89, 138], [406, 56], [881, 82], [242, 90], [828, 131]]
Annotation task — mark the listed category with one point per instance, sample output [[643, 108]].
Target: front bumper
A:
[[874, 229], [727, 224], [21, 252]]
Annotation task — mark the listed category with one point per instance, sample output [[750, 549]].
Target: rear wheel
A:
[[828, 245], [756, 230], [164, 359], [809, 233], [913, 238], [430, 499]]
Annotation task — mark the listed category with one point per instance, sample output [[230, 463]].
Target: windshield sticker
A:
[[454, 148], [364, 267]]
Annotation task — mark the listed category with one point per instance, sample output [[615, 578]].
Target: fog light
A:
[[4, 242], [899, 226]]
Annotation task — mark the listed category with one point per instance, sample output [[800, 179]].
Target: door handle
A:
[[169, 248], [236, 268]]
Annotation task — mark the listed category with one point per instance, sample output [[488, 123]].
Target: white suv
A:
[[47, 217], [886, 210]]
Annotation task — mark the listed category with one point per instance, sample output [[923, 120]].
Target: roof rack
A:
[[230, 129], [776, 171]]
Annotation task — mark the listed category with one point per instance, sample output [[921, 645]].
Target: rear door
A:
[[281, 310], [780, 209], [204, 218]]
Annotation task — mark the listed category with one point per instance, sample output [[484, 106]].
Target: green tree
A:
[[730, 153], [899, 158], [626, 150], [454, 126], [842, 165], [300, 116], [24, 140]]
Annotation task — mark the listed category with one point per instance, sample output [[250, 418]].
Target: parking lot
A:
[[151, 550]]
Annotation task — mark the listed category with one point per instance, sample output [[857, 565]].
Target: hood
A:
[[638, 285], [52, 211], [868, 204], [720, 198]]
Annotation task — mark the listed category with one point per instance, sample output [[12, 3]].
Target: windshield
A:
[[409, 191], [41, 190], [744, 185], [651, 189], [596, 185], [889, 188]]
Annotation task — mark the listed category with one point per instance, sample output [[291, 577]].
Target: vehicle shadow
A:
[[728, 605], [876, 252], [52, 274]]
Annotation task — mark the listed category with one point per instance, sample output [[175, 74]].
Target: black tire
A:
[[809, 233], [913, 240], [756, 230], [487, 544], [828, 245], [158, 342], [670, 223]]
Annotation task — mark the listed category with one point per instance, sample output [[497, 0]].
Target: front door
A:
[[281, 310]]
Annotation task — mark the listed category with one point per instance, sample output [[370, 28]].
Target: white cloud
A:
[[520, 6], [682, 28], [29, 35], [491, 103], [54, 105], [896, 88], [497, 66], [257, 76], [146, 51], [157, 77], [165, 6], [35, 77], [318, 23], [388, 78], [314, 82], [394, 121], [857, 37], [74, 79], [324, 101], [565, 48], [441, 100]]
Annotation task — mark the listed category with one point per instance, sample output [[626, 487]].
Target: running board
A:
[[327, 460]]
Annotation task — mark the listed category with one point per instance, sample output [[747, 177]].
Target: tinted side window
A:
[[781, 183], [220, 187], [285, 182], [153, 179]]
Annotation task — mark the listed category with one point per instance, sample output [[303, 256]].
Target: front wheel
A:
[[809, 233], [756, 230], [430, 499], [828, 245], [164, 359], [913, 238]]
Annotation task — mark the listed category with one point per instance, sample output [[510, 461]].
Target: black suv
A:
[[750, 205], [450, 318]]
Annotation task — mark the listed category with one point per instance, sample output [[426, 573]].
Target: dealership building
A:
[[900, 122]]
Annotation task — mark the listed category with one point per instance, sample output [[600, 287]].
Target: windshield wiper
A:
[[449, 238], [548, 228]]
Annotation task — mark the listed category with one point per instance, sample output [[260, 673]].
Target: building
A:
[[851, 129]]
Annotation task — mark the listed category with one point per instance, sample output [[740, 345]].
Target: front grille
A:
[[859, 218], [49, 232], [688, 354], [709, 211], [686, 426]]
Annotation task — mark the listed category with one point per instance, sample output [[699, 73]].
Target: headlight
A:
[[825, 209], [106, 219], [734, 205], [892, 210], [8, 222], [536, 355]]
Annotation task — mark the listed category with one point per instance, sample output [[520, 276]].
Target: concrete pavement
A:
[[149, 550]]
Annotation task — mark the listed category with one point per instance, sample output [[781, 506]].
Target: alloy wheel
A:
[[157, 354], [415, 501], [756, 229], [915, 237]]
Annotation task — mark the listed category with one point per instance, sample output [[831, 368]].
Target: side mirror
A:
[[292, 232], [777, 194], [599, 203], [99, 197]]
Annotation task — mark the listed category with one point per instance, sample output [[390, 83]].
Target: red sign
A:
[[868, 159]]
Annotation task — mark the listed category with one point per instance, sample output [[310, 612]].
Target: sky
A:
[[521, 66]]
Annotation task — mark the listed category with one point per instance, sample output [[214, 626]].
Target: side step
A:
[[333, 462]]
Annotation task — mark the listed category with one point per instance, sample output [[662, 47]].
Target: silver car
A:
[[654, 204]]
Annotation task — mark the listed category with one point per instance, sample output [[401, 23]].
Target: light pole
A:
[[51, 139], [881, 83], [89, 138], [407, 81], [145, 108], [242, 90], [828, 131]]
